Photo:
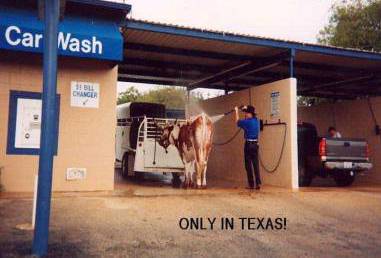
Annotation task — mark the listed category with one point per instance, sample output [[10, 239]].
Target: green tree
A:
[[130, 95], [171, 97], [354, 24]]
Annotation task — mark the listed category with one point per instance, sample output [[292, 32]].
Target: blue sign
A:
[[21, 30]]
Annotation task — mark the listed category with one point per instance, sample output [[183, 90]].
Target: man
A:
[[333, 133], [250, 125]]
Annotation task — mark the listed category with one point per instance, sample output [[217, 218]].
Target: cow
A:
[[193, 140]]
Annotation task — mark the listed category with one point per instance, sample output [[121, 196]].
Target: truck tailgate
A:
[[346, 149]]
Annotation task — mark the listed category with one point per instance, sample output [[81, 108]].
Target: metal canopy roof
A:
[[172, 55]]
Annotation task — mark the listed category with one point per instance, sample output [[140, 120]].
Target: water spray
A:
[[217, 118]]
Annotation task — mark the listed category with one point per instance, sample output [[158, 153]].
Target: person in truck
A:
[[250, 126], [333, 133]]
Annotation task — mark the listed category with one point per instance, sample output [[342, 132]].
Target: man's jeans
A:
[[251, 162]]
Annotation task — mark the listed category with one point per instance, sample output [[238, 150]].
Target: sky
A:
[[298, 20]]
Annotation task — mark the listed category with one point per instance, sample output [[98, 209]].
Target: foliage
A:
[[171, 97], [130, 95], [312, 101], [354, 24]]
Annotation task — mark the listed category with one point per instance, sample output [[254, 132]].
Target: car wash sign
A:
[[78, 36]]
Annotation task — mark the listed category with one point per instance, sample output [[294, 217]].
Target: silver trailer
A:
[[137, 134]]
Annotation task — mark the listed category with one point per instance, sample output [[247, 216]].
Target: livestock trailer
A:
[[137, 135]]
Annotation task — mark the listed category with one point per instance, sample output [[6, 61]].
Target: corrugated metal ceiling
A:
[[166, 55]]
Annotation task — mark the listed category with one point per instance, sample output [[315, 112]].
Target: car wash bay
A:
[[267, 73]]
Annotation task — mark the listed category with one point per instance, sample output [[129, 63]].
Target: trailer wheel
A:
[[125, 173], [344, 178], [176, 181]]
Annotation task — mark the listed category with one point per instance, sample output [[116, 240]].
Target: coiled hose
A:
[[268, 170], [280, 156]]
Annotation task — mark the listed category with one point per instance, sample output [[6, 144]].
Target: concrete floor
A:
[[141, 219]]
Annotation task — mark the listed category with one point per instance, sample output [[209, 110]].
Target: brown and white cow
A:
[[193, 140]]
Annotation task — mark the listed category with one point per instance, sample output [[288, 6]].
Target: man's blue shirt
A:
[[250, 127]]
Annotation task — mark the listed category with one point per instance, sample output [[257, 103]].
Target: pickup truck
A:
[[340, 158]]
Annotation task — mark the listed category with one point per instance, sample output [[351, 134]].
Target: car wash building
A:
[[103, 46], [90, 46]]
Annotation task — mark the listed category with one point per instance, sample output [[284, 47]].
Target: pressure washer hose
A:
[[280, 155], [268, 170], [228, 141]]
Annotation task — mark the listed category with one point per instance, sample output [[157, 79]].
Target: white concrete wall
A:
[[226, 164]]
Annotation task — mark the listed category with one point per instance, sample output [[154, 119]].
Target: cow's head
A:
[[169, 134]]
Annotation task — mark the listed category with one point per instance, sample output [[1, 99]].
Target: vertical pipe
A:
[[292, 59], [41, 232], [34, 201]]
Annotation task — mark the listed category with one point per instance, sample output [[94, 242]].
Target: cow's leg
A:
[[204, 176], [199, 174], [189, 183], [207, 149], [194, 172], [186, 175], [190, 174]]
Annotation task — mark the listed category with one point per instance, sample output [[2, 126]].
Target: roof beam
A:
[[225, 56], [246, 68], [148, 80], [368, 88], [168, 77], [172, 65], [185, 52], [184, 69], [215, 69], [337, 83], [374, 83], [235, 57], [134, 79], [325, 67], [177, 75]]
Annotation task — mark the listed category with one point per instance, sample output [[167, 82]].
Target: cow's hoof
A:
[[199, 187], [204, 187]]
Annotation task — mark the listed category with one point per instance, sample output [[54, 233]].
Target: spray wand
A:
[[231, 111]]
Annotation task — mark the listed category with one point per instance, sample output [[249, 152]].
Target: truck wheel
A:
[[304, 178], [176, 181], [125, 166], [344, 178]]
